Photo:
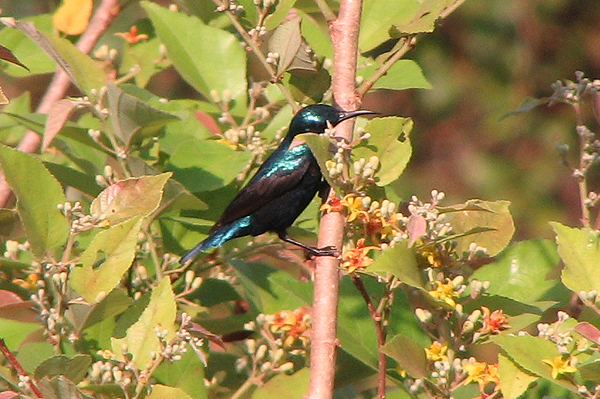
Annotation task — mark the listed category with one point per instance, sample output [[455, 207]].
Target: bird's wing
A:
[[269, 183]]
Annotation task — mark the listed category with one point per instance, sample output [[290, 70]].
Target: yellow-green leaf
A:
[[390, 138], [130, 198], [166, 392], [38, 193], [141, 340], [580, 251], [492, 218], [108, 256]]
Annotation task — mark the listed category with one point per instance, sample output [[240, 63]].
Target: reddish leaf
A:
[[208, 121], [417, 226], [588, 331], [8, 395], [12, 307], [7, 55]]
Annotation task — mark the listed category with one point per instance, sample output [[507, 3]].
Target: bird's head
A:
[[314, 118]]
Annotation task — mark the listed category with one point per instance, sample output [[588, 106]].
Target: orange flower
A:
[[291, 325], [332, 205], [132, 36], [357, 258], [493, 322], [376, 224]]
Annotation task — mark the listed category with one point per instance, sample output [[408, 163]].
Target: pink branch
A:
[[344, 36]]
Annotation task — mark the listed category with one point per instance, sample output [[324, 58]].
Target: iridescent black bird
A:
[[282, 187]]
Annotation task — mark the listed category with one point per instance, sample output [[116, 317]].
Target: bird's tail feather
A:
[[216, 239]]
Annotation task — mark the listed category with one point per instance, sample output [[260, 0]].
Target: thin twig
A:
[[381, 333], [407, 45], [261, 57], [582, 178], [19, 369]]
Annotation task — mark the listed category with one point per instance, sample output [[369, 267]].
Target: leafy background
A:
[[482, 62]]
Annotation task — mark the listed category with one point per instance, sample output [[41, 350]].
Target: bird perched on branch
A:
[[282, 187]]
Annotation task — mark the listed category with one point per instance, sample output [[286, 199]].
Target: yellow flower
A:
[[444, 292], [560, 365], [481, 373], [475, 372], [354, 205], [437, 351]]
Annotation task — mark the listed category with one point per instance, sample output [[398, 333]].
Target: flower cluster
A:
[[282, 347]]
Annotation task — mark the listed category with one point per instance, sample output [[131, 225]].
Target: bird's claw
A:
[[329, 250]]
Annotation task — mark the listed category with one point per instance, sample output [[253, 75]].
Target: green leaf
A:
[[84, 72], [391, 143], [130, 198], [284, 386], [74, 368], [108, 256], [198, 164], [60, 388], [356, 330], [141, 339], [32, 354], [308, 87], [424, 18], [38, 193], [214, 291], [580, 252], [26, 50], [528, 353], [590, 371], [475, 213], [85, 315], [409, 354], [15, 332], [382, 20], [522, 271], [319, 146], [215, 64], [184, 374], [74, 178], [271, 290], [282, 9], [404, 74], [166, 392], [513, 379], [133, 118], [401, 261]]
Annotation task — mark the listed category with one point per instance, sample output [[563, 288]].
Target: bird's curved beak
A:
[[351, 114]]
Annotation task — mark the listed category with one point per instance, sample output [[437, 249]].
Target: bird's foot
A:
[[314, 251], [324, 251]]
